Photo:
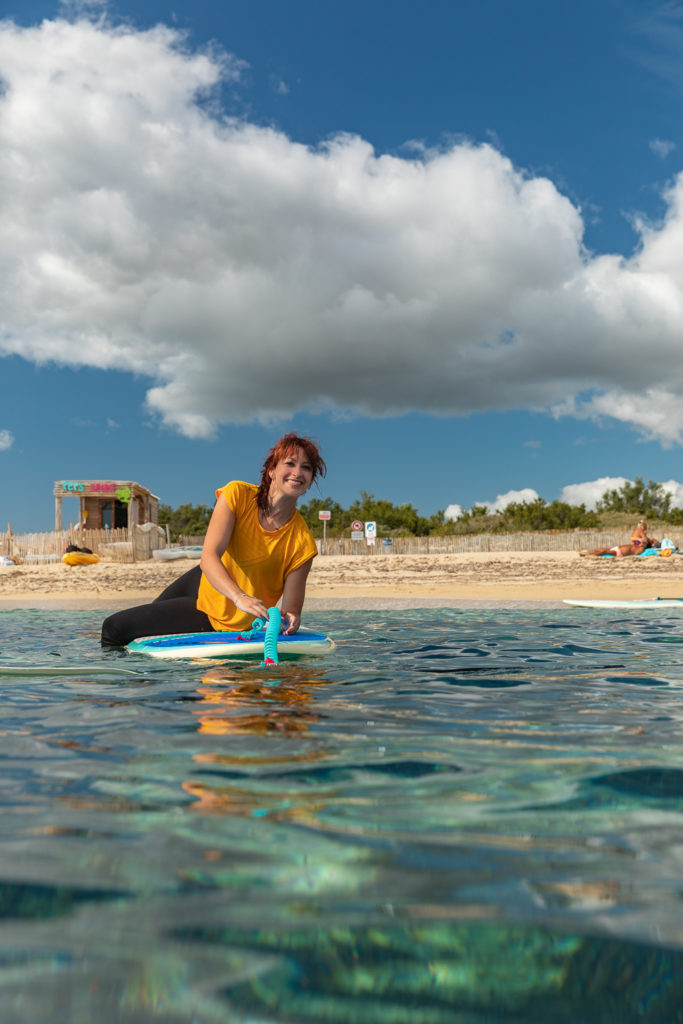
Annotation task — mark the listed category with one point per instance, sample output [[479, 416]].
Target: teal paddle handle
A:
[[270, 640]]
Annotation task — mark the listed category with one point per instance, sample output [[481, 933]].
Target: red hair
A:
[[288, 444]]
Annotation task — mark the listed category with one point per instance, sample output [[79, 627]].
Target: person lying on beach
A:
[[257, 550], [639, 543], [619, 550]]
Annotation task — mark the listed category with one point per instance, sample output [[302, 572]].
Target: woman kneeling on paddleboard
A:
[[257, 550]]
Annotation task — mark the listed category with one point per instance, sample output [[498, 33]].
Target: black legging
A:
[[173, 611]]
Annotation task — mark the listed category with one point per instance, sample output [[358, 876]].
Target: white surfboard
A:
[[652, 602]]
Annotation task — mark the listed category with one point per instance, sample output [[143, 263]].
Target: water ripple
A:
[[456, 816]]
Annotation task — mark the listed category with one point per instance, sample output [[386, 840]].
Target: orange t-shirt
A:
[[259, 561]]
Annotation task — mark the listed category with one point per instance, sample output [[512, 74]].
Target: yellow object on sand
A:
[[665, 552], [79, 558]]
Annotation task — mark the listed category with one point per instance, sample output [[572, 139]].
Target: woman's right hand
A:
[[252, 606]]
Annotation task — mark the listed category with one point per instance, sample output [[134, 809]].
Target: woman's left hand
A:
[[293, 597], [290, 623]]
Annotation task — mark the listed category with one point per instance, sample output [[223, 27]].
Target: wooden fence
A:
[[125, 545], [469, 544], [138, 543]]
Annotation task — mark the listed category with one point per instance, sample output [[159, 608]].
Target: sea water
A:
[[456, 816]]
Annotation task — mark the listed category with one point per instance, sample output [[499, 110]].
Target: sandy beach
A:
[[370, 581]]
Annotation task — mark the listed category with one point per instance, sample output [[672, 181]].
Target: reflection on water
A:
[[456, 816], [232, 703], [249, 701]]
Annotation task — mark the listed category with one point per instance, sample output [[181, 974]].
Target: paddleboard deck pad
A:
[[230, 645], [652, 602]]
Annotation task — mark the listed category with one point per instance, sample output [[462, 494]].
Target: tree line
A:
[[633, 498]]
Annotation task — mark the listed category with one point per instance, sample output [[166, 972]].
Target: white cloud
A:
[[590, 492], [453, 512], [76, 8], [6, 440], [656, 413], [279, 86], [249, 277], [662, 147], [675, 489], [527, 494]]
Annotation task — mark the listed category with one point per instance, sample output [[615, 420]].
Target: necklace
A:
[[271, 521]]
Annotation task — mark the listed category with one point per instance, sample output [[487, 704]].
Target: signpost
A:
[[357, 532], [371, 535], [324, 515]]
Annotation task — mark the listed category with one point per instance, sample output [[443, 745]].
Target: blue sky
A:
[[443, 238]]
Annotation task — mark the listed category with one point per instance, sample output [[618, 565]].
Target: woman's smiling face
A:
[[292, 475]]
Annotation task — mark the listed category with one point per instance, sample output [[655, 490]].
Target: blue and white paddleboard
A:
[[230, 645], [652, 602]]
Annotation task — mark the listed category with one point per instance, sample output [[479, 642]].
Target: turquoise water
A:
[[457, 816]]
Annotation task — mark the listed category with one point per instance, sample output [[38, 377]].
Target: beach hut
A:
[[107, 504]]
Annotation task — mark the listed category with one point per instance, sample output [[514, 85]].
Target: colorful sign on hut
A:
[[107, 504]]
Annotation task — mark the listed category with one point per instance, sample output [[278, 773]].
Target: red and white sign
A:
[[324, 514], [356, 525]]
